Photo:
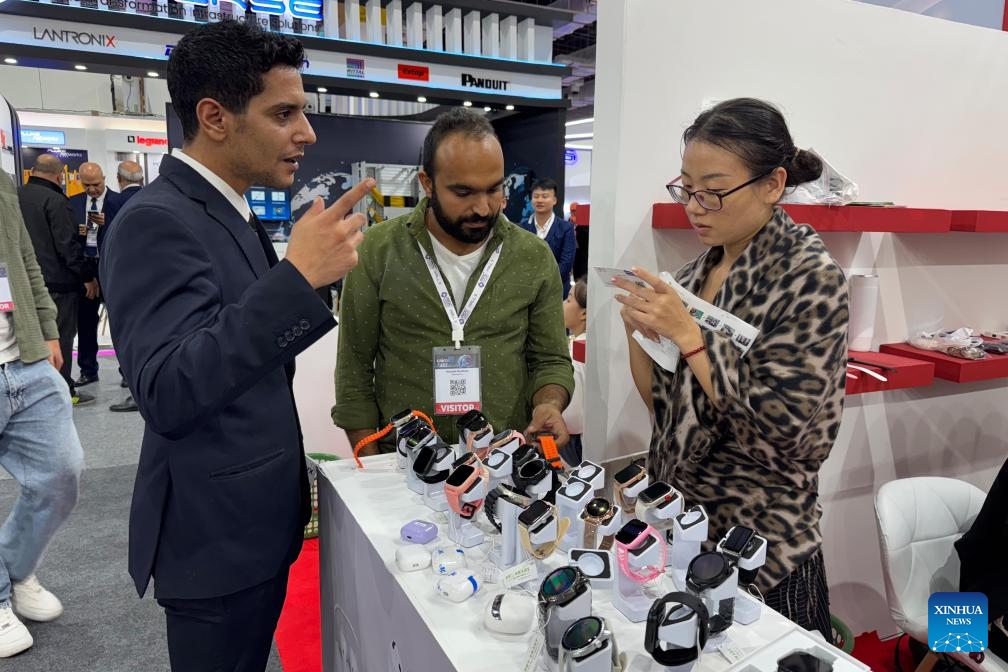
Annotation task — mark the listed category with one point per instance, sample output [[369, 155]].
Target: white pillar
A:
[[491, 35], [414, 26], [472, 34], [453, 30], [394, 23], [435, 29], [351, 20], [509, 37], [526, 40], [373, 24]]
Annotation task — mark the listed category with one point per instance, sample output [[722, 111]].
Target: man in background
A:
[[556, 231], [93, 211], [54, 235], [130, 176], [40, 448]]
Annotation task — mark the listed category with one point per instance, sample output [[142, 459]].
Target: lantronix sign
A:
[[74, 37], [302, 9]]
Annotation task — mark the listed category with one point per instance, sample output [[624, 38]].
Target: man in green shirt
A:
[[392, 314]]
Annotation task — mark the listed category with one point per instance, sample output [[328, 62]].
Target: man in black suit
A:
[[207, 324], [93, 210], [50, 223], [130, 177], [556, 231]]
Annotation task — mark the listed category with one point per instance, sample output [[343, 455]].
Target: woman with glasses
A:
[[744, 432]]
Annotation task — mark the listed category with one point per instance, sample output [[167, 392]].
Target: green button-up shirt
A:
[[391, 317]]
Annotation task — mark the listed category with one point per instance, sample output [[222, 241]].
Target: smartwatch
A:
[[586, 636], [401, 418], [503, 491], [523, 454], [706, 571], [530, 472], [659, 616], [425, 464], [599, 512], [560, 587], [637, 536], [476, 429], [736, 542], [465, 458], [535, 518], [461, 481], [655, 496], [623, 479], [507, 436], [470, 420]]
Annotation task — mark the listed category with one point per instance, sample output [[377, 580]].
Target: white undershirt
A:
[[544, 231], [457, 269], [8, 341]]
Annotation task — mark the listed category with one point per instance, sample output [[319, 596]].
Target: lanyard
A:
[[458, 321]]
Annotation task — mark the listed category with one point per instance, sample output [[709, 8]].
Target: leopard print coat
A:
[[753, 457]]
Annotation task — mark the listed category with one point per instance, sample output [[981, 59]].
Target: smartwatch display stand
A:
[[560, 618], [413, 482], [434, 493], [599, 660], [571, 507], [508, 552], [464, 532], [722, 594], [546, 535], [540, 488], [607, 530], [689, 531], [682, 638], [747, 609], [631, 492], [480, 444], [587, 468], [629, 597]]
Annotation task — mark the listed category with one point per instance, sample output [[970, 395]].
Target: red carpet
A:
[[299, 632]]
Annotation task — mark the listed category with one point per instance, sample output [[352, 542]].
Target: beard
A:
[[456, 227]]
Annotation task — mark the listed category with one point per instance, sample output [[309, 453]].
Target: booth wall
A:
[[69, 90], [911, 108]]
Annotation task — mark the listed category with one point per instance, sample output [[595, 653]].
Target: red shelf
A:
[[579, 351], [953, 368], [980, 221], [909, 373], [830, 218]]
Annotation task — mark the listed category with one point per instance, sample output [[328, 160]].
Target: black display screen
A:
[[424, 460], [654, 492], [460, 475], [631, 531], [598, 507], [707, 567], [558, 581], [738, 539], [532, 470], [534, 512], [401, 416], [626, 474], [582, 633]]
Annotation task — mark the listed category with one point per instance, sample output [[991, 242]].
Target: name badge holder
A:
[[689, 531], [571, 500], [6, 297]]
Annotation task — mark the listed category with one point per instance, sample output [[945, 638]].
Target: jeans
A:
[[39, 447]]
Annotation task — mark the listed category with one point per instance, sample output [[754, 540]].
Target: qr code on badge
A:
[[457, 387]]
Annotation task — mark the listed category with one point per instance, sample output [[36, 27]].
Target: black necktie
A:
[[260, 232]]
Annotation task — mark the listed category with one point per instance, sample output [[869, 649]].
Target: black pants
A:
[[66, 323], [87, 335], [232, 633], [803, 596]]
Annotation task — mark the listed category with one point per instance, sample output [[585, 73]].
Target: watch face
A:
[[707, 569], [559, 581], [420, 436], [401, 417], [533, 470], [630, 532], [598, 507], [460, 475], [738, 539], [627, 474], [523, 454], [534, 512], [424, 460], [655, 492], [582, 632], [467, 458], [471, 420]]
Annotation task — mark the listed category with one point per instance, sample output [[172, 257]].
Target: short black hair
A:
[[755, 131], [226, 61], [546, 184], [458, 120]]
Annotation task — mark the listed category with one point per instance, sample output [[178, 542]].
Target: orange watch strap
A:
[[550, 451]]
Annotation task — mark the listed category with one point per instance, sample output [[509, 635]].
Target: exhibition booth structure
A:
[[889, 98]]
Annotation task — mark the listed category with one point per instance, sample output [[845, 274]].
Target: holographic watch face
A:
[[598, 507], [583, 632], [558, 581]]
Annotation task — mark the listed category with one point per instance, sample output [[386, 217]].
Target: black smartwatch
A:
[[530, 472], [425, 464], [503, 491], [659, 616]]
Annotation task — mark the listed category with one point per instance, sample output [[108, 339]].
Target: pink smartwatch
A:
[[636, 535]]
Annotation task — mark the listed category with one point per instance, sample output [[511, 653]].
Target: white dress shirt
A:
[[232, 196], [544, 231]]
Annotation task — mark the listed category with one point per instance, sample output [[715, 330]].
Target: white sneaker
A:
[[14, 636], [34, 602]]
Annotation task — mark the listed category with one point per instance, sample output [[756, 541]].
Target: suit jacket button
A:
[[298, 331], [305, 324], [289, 335], [282, 342]]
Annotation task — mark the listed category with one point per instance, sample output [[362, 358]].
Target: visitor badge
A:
[[456, 380]]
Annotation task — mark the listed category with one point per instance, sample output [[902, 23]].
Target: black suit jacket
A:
[[207, 324], [562, 242], [49, 220], [81, 203]]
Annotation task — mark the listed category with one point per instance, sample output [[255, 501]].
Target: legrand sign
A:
[[301, 9]]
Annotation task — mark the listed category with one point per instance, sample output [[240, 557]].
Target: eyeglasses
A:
[[708, 200]]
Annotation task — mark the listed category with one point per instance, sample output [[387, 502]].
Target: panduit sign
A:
[[484, 82]]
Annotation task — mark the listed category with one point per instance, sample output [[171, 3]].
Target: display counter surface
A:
[[377, 617]]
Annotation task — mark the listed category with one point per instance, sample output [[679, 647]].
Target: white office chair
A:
[[919, 520]]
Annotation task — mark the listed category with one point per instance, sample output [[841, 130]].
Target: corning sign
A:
[[302, 9]]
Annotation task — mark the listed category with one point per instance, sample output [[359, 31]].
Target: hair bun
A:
[[803, 167]]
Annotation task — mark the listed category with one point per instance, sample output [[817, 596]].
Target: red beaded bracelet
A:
[[694, 352]]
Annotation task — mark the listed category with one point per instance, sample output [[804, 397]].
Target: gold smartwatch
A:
[[599, 512], [533, 519]]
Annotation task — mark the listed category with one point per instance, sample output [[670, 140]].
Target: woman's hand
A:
[[657, 310]]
